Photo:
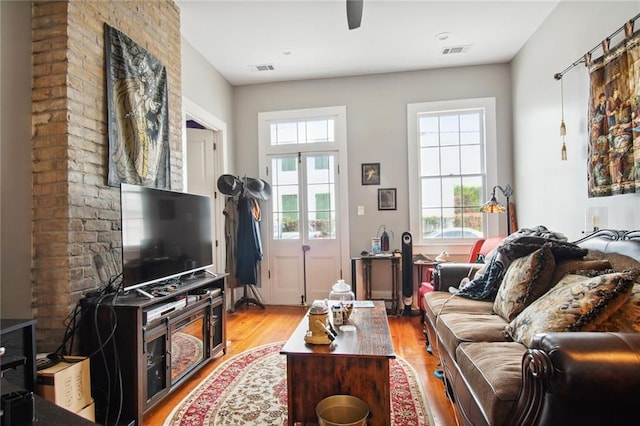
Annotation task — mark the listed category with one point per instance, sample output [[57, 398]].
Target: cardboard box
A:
[[67, 384], [88, 412]]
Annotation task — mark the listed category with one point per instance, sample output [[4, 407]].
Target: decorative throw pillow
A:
[[526, 279], [579, 267], [619, 262], [627, 318], [576, 303]]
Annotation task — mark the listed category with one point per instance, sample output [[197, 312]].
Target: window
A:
[[322, 163], [301, 149], [447, 151], [323, 207], [290, 214], [289, 165], [285, 198], [294, 132]]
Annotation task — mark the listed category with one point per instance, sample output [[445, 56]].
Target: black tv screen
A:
[[165, 234]]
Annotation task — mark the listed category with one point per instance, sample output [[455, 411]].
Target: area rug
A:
[[251, 389]]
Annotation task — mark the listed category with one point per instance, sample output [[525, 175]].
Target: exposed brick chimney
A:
[[75, 214]]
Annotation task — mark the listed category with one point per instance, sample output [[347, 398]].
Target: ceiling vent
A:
[[263, 67], [450, 50]]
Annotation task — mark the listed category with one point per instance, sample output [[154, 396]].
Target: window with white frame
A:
[[447, 167], [302, 131], [301, 148]]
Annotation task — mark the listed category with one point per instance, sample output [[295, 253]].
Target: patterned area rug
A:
[[251, 389]]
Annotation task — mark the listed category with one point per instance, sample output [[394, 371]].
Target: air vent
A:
[[263, 67], [450, 50]]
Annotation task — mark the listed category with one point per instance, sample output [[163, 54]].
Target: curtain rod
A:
[[587, 55]]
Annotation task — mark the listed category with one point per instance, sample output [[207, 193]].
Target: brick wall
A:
[[75, 214]]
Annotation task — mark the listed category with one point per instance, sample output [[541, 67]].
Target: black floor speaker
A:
[[407, 267]]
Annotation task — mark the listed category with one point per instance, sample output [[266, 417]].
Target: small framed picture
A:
[[371, 173], [387, 199]]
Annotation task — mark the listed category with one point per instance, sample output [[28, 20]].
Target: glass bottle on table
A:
[[342, 295]]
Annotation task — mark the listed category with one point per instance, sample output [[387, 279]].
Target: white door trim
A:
[[191, 110]]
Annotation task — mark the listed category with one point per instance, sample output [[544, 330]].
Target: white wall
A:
[[203, 85], [15, 156], [549, 191], [376, 129]]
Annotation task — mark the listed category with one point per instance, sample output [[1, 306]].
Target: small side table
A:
[[421, 265], [395, 278]]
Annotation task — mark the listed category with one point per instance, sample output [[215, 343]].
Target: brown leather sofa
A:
[[559, 378]]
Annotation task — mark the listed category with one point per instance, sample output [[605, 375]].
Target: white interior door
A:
[[201, 175], [304, 255]]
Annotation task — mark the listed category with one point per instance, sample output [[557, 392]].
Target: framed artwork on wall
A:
[[371, 173], [387, 199]]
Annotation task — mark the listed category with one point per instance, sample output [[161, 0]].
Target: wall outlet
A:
[[360, 210]]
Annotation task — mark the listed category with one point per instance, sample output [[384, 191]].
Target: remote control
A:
[[144, 293]]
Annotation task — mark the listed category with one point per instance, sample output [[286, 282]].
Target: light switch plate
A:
[[360, 210]]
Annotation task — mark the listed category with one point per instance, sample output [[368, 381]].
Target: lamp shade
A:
[[492, 206]]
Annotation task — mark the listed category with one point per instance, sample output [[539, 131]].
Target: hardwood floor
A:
[[251, 326]]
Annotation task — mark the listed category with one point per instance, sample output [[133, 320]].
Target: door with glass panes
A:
[[304, 246], [305, 224]]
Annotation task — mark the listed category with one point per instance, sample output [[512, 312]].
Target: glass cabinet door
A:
[[156, 356], [187, 345]]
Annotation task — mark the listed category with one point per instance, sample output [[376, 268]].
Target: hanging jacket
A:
[[231, 234], [249, 245]]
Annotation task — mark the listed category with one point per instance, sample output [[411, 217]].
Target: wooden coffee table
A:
[[356, 363]]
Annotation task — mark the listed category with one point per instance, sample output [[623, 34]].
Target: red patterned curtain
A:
[[614, 114]]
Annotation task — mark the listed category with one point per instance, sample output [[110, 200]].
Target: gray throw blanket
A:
[[521, 243]]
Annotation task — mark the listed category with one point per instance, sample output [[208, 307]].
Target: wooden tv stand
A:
[[143, 348]]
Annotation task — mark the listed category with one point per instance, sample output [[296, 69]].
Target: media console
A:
[[142, 348]]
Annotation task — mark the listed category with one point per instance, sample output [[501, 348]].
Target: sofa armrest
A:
[[447, 275], [580, 378]]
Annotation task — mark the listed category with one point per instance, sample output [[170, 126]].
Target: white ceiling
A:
[[395, 35]]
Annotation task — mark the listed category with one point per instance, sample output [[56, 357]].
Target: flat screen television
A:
[[165, 234]]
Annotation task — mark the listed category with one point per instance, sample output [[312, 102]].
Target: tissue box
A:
[[67, 384]]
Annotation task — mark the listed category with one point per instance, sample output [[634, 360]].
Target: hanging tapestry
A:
[[137, 114], [614, 113]]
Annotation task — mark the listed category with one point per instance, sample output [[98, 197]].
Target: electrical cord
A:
[[101, 346], [74, 321], [72, 324], [113, 377]]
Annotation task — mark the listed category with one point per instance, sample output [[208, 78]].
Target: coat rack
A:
[[246, 191]]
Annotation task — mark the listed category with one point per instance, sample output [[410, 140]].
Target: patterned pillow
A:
[[576, 303], [627, 318], [526, 279], [619, 262], [579, 267]]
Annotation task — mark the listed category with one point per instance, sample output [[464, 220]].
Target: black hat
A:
[[258, 188], [229, 185]]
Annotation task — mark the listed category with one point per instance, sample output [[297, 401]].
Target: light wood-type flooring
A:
[[251, 326]]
